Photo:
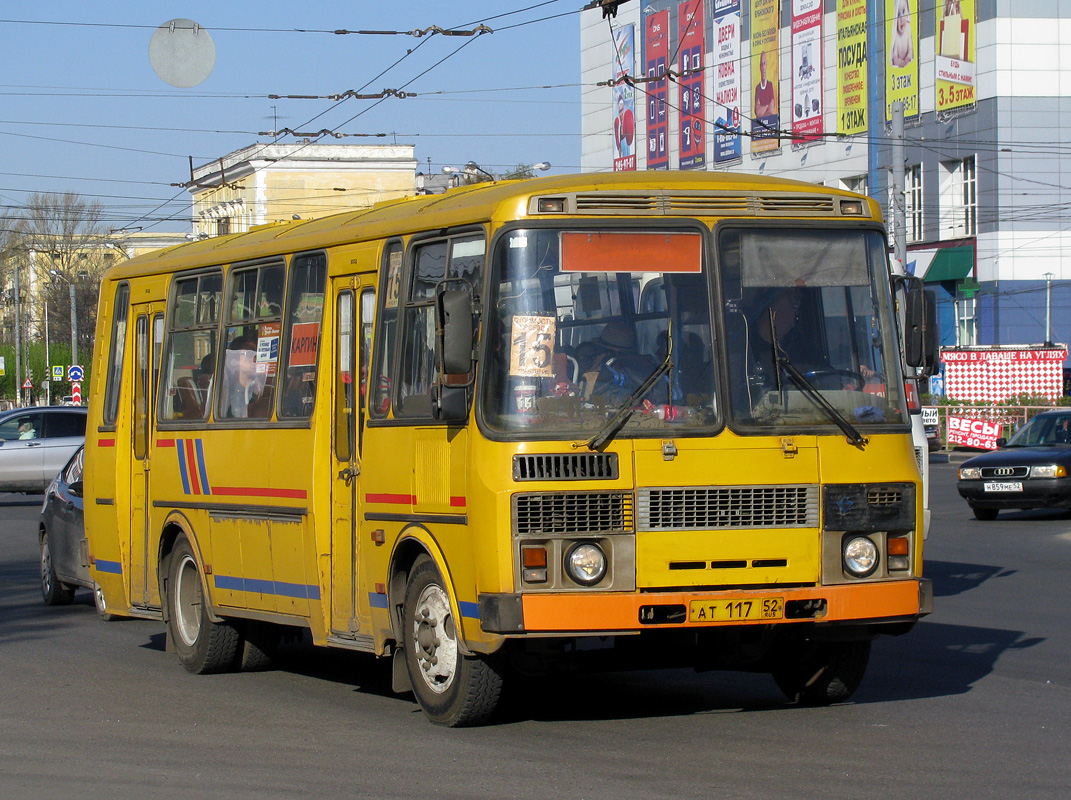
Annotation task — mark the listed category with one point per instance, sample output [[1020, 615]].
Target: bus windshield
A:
[[809, 331], [579, 320]]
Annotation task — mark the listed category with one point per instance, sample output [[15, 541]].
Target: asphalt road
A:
[[974, 703]]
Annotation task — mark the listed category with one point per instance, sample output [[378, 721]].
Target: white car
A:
[[35, 443]]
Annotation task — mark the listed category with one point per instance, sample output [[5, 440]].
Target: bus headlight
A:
[[970, 474], [860, 556], [585, 563]]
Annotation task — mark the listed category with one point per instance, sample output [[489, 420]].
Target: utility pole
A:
[[899, 179], [18, 338], [74, 323], [1048, 309]]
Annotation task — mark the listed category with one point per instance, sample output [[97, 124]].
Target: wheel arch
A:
[[176, 525]]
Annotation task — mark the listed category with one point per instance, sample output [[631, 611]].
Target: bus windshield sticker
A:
[[532, 346], [618, 251], [304, 339], [268, 347]]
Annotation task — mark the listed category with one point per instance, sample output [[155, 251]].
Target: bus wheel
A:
[[453, 689], [259, 643], [55, 592], [820, 673], [203, 646]]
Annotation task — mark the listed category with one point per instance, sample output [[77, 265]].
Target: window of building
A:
[[856, 183], [959, 199], [913, 202]]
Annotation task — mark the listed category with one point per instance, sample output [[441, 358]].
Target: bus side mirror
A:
[[454, 311], [921, 348]]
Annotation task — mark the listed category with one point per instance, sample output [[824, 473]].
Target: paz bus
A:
[[602, 421]]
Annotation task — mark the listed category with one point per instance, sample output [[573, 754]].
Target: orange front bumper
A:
[[574, 613]]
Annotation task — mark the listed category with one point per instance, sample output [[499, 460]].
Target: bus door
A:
[[354, 299], [148, 342]]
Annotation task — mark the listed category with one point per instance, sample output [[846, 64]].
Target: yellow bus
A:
[[615, 420]]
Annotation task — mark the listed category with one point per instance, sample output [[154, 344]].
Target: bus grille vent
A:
[[793, 205], [565, 467], [776, 204], [884, 497], [727, 507], [572, 513]]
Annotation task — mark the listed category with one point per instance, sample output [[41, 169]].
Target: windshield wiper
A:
[[608, 431], [816, 397]]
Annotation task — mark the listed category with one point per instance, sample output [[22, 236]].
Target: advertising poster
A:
[[807, 98], [765, 93], [691, 25], [969, 432], [624, 100], [851, 66], [954, 59], [726, 112], [901, 49], [656, 62]]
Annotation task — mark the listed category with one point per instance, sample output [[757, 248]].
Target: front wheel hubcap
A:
[[434, 639]]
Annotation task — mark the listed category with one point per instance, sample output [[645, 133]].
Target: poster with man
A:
[[624, 100], [954, 60], [765, 96], [807, 96], [901, 48]]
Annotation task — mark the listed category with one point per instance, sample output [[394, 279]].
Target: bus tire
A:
[[259, 643], [203, 646], [453, 689], [53, 590], [821, 673]]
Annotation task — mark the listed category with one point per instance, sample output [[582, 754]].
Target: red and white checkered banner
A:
[[994, 374]]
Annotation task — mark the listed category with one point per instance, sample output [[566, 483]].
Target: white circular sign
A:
[[182, 53]]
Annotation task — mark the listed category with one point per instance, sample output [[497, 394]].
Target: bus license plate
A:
[[734, 610], [1003, 486]]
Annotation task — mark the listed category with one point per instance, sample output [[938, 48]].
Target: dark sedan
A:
[[1029, 471], [64, 564]]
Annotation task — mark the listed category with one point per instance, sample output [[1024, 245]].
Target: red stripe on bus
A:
[[105, 442], [191, 466], [458, 502], [165, 442], [393, 499], [255, 491]]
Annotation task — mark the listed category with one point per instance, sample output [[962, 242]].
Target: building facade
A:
[[804, 89], [266, 183]]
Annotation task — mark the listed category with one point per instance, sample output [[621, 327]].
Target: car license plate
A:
[[1003, 486], [733, 610]]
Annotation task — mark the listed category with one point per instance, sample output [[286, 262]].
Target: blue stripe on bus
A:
[[282, 589], [182, 465], [201, 467], [470, 610], [113, 567], [377, 600]]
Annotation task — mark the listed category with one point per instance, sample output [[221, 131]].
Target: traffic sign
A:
[[76, 394], [57, 372], [27, 384], [75, 373]]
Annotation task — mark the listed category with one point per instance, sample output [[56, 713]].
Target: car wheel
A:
[[203, 646], [53, 590], [452, 688], [820, 673], [985, 514]]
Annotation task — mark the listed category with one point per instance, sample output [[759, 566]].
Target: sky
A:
[[82, 109]]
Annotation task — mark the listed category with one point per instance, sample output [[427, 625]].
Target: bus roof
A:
[[622, 193]]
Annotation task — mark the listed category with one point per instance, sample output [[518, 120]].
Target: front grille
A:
[[565, 467], [697, 203], [1005, 472], [547, 514], [727, 507]]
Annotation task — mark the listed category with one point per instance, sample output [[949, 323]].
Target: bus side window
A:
[[190, 363], [305, 311], [383, 368], [115, 357], [251, 352]]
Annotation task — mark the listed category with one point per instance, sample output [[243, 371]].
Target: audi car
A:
[[1028, 471]]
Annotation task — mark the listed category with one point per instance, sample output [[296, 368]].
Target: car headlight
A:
[[585, 563], [860, 556], [1048, 471], [970, 473]]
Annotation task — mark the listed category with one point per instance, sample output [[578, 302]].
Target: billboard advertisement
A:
[[624, 100], [765, 69], [656, 61], [954, 57], [807, 97], [726, 111], [851, 67], [902, 63], [691, 38]]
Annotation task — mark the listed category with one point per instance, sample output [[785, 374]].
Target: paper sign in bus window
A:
[[304, 338], [268, 347], [532, 346]]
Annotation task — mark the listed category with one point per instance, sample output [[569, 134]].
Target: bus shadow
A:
[[952, 578]]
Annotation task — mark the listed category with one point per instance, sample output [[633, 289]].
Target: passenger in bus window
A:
[[769, 315], [242, 384], [616, 369]]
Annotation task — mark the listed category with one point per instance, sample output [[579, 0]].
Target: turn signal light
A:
[[898, 546], [534, 562]]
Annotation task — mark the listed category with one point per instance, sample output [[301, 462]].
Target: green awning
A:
[[951, 264]]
